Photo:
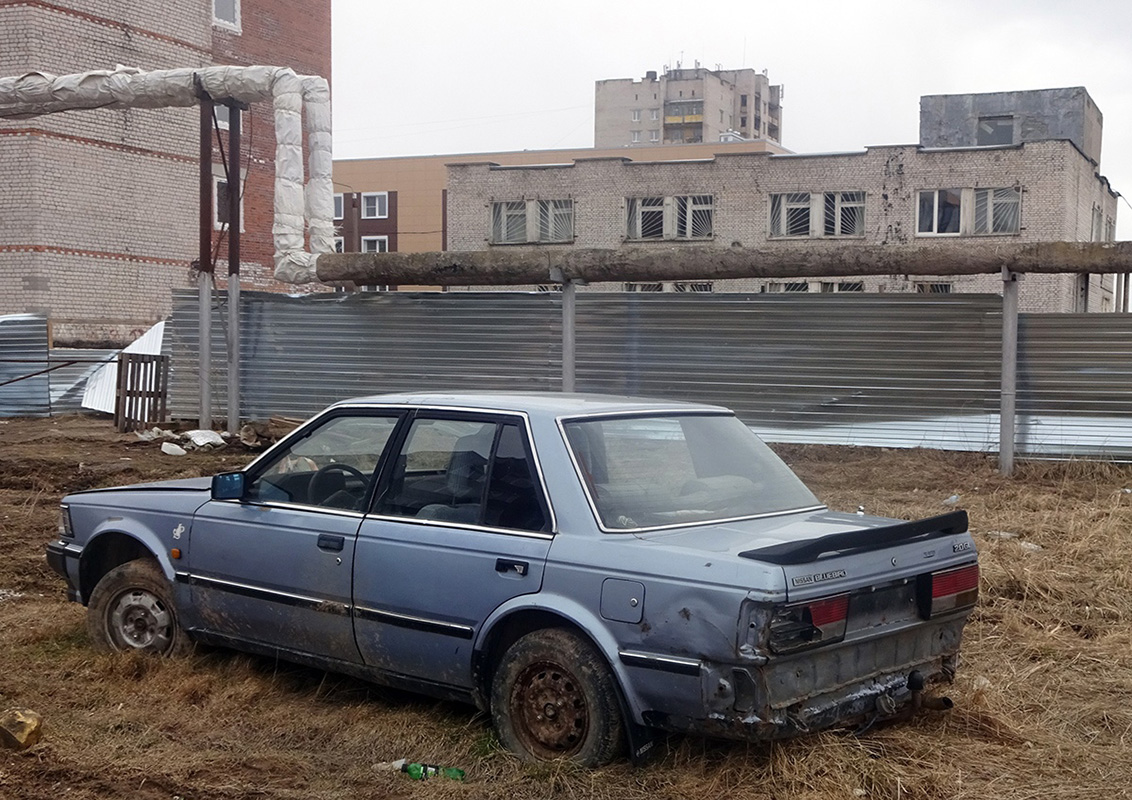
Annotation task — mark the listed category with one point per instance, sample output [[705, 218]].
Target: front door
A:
[[273, 568]]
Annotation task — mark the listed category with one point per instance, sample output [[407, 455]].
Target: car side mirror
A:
[[228, 486]]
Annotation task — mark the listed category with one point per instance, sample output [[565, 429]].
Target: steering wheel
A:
[[319, 490]]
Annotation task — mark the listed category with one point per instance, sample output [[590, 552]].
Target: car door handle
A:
[[505, 565], [332, 543]]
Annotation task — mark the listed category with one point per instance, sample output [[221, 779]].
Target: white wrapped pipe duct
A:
[[297, 206]]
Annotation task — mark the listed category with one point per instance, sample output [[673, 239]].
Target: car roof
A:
[[553, 404]]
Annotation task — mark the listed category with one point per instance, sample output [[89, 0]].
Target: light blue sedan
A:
[[594, 571]]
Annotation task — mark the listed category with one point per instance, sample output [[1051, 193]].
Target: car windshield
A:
[[653, 471]]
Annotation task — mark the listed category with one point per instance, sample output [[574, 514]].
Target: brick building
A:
[[101, 207], [398, 204], [1025, 189]]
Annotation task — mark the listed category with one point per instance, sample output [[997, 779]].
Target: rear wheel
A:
[[131, 609], [553, 697]]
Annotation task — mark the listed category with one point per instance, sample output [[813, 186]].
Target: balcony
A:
[[691, 119]]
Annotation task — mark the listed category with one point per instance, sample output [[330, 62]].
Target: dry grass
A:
[[1044, 696]]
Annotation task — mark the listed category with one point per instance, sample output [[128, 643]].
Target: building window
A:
[[644, 287], [339, 206], [694, 215], [636, 115], [704, 287], [844, 214], [646, 218], [683, 217], [634, 136], [995, 130], [555, 220], [375, 205], [997, 210], [226, 14], [796, 286], [220, 215], [509, 222], [654, 136], [938, 212], [222, 113], [790, 214], [742, 122], [933, 288], [375, 244], [547, 220], [851, 286], [742, 101], [339, 244], [654, 114]]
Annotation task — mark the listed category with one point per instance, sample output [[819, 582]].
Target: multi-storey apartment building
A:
[[100, 209], [1030, 188], [687, 105]]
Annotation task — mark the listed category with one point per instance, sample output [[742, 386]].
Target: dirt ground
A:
[[1043, 697]]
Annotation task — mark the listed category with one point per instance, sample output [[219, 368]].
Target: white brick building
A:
[[900, 196]]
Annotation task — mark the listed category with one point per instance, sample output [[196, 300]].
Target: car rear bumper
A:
[[851, 683]]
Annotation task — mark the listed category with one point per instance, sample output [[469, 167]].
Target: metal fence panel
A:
[[23, 353], [1075, 384], [301, 354], [880, 370], [887, 370]]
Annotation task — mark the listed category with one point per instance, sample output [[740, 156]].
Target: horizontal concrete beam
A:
[[511, 266]]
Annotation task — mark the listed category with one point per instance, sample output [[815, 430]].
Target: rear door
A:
[[460, 525]]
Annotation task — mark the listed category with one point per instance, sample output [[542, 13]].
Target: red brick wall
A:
[[284, 33]]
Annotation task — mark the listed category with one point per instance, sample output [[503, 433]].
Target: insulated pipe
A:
[[297, 206]]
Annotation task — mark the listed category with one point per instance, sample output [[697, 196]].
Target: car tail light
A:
[[809, 624], [949, 590]]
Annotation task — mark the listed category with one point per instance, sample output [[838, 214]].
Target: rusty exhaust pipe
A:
[[937, 703]]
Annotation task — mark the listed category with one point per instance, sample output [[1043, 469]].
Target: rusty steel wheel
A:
[[131, 609], [553, 697]]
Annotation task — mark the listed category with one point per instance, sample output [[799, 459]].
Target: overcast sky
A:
[[458, 77]]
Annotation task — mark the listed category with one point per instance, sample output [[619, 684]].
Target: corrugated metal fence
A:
[[888, 370], [25, 389]]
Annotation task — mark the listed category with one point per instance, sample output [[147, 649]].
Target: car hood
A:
[[181, 484]]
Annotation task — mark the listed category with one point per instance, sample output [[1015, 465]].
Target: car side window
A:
[[513, 494], [330, 467], [464, 471]]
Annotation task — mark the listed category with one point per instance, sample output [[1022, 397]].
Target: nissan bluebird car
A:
[[593, 571]]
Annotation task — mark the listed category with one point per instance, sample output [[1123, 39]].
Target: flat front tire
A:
[[131, 610], [553, 697]]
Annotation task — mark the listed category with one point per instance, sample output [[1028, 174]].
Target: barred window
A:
[[796, 286], [694, 216], [790, 214], [509, 222], [844, 214], [645, 217], [851, 286], [555, 220], [997, 210], [644, 287], [933, 288], [693, 286]]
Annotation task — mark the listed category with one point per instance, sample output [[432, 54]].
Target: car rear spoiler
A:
[[861, 541]]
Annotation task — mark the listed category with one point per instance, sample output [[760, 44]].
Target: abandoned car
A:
[[593, 570]]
